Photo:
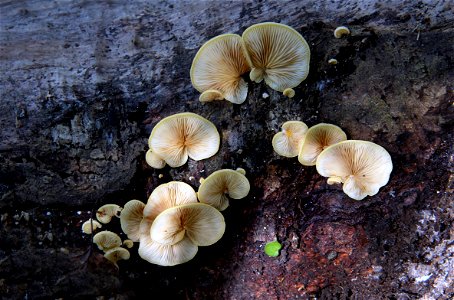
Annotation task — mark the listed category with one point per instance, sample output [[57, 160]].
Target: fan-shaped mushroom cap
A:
[[211, 95], [340, 31], [289, 92], [106, 240], [317, 138], [168, 195], [87, 226], [201, 223], [128, 243], [278, 54], [130, 218], [166, 255], [214, 188], [116, 254], [186, 134], [288, 141], [363, 167], [218, 65], [154, 161], [106, 212]]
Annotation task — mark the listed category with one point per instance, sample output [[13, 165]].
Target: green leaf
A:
[[272, 248]]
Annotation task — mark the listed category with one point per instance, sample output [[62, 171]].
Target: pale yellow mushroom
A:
[[217, 68], [106, 240], [240, 170], [88, 225], [277, 54], [332, 61], [318, 138], [215, 188], [184, 135], [341, 31], [130, 218], [201, 223], [116, 254], [154, 161], [289, 93], [106, 212], [288, 141], [166, 196], [128, 243], [363, 167]]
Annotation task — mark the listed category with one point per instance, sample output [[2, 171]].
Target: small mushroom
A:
[[290, 93], [116, 254], [217, 68], [363, 167], [106, 212], [154, 161], [288, 141], [87, 226], [184, 135], [278, 54], [341, 31], [201, 223], [130, 218], [168, 195], [332, 61], [215, 188], [318, 138], [128, 243], [106, 240]]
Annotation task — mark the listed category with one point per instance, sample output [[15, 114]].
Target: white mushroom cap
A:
[[106, 240], [288, 141], [203, 224], [181, 135], [211, 95], [218, 66], [166, 196], [165, 255], [116, 254], [130, 218], [106, 212], [87, 226], [154, 161], [278, 54], [317, 138], [340, 31], [363, 167], [215, 188]]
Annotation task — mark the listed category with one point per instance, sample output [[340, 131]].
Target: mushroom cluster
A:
[[173, 223], [272, 52], [362, 167]]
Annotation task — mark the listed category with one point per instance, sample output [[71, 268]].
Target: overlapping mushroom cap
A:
[[363, 167], [288, 141], [215, 188], [116, 254], [184, 135], [217, 68], [318, 138], [278, 54], [131, 217], [106, 240], [106, 212]]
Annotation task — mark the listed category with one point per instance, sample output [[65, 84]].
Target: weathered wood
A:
[[83, 83]]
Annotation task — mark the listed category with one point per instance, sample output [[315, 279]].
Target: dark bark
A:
[[83, 83]]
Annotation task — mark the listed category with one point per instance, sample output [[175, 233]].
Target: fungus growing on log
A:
[[87, 226], [130, 218], [116, 254], [341, 31], [106, 212], [288, 141], [106, 240]]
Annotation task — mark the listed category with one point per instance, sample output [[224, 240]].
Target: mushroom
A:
[[128, 243], [116, 254], [340, 31], [201, 223], [91, 225], [106, 212], [332, 61], [168, 195], [217, 68], [277, 54], [214, 189], [363, 167], [318, 138], [130, 218], [181, 135], [288, 141], [106, 240], [154, 161]]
